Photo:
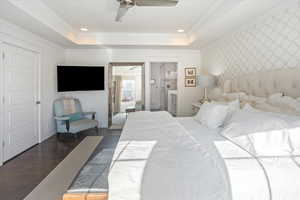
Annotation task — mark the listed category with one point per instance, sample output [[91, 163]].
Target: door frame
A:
[[109, 82], [178, 81], [1, 104], [12, 41]]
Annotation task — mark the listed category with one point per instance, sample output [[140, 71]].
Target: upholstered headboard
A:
[[263, 84]]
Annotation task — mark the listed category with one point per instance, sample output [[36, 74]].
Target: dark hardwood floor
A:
[[19, 176]]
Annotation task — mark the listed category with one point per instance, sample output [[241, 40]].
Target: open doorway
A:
[[164, 87], [127, 93]]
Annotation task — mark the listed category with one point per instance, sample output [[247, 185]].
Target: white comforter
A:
[[163, 158], [157, 159], [273, 141]]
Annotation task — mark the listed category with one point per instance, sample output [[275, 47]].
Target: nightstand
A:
[[130, 110], [196, 107]]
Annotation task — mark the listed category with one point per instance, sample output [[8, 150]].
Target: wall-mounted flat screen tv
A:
[[80, 78]]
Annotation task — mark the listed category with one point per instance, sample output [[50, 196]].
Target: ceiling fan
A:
[[125, 5]]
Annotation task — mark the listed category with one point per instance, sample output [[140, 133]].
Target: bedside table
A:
[[130, 110], [196, 107]]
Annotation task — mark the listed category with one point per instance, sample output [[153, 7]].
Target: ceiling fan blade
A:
[[161, 3], [121, 12]]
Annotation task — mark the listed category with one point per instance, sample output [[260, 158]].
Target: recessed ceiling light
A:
[[84, 29], [180, 30]]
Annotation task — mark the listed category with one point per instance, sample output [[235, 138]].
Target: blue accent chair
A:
[[73, 122]]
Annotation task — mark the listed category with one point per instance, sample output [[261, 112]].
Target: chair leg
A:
[[75, 135]]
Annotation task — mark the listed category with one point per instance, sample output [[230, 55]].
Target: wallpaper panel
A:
[[269, 42]]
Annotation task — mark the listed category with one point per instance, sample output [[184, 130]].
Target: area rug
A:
[[93, 178], [58, 181]]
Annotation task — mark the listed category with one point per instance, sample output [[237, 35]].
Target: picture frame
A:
[[190, 82], [190, 72]]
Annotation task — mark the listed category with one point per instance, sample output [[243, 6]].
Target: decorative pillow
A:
[[248, 107], [227, 86], [233, 96], [212, 115], [244, 103], [275, 99], [251, 100], [215, 94], [267, 108], [75, 117], [257, 99], [284, 102], [260, 133], [232, 107]]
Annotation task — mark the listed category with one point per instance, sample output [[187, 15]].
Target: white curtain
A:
[[117, 94]]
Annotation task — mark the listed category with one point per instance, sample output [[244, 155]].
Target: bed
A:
[[160, 157], [165, 158]]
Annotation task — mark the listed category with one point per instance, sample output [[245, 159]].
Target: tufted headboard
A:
[[263, 84]]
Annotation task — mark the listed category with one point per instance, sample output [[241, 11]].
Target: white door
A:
[[20, 96]]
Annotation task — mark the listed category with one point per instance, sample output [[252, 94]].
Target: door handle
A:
[[38, 103]]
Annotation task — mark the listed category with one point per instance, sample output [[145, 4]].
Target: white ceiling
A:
[[142, 27], [99, 15]]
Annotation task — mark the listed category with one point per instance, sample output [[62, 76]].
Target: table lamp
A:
[[207, 82]]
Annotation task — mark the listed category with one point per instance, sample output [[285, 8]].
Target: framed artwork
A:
[[190, 82], [190, 72]]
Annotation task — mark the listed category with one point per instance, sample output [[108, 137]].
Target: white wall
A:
[[184, 58], [98, 101], [50, 56], [271, 41], [91, 100]]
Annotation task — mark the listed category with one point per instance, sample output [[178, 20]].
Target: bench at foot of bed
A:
[[83, 196]]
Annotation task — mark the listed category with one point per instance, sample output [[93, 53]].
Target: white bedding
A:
[[158, 159], [163, 158]]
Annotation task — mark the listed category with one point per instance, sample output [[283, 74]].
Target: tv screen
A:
[[75, 78]]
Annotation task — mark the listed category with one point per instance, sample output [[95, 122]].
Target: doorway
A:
[[20, 100], [126, 92], [163, 83]]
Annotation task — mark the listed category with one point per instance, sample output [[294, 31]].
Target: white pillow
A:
[[249, 108], [264, 107], [257, 99], [260, 133], [267, 108], [227, 86], [212, 115], [284, 102], [233, 96], [215, 94], [272, 110], [275, 99], [232, 108], [234, 105]]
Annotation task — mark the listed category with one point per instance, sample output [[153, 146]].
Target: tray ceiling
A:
[[142, 27]]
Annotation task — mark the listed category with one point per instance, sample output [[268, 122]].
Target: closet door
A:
[[20, 96]]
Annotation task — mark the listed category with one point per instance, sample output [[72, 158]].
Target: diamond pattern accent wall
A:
[[270, 42]]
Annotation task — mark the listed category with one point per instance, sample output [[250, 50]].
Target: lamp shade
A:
[[206, 81]]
